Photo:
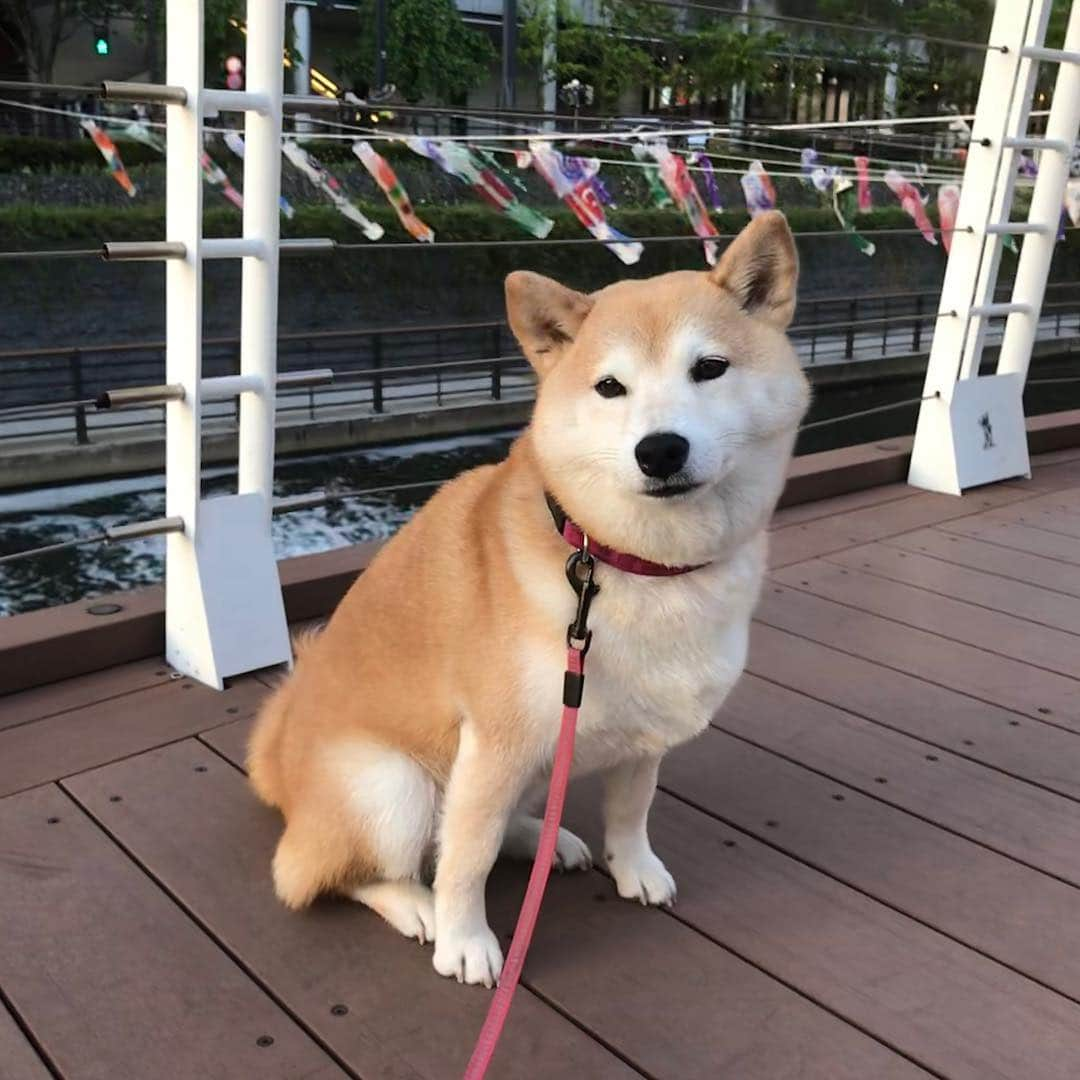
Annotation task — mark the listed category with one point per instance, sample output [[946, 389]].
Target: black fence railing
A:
[[49, 392]]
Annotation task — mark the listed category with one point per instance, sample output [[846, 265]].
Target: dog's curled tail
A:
[[263, 754], [264, 745]]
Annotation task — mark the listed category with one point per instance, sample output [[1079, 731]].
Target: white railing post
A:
[[1038, 251], [971, 427], [259, 297], [224, 613]]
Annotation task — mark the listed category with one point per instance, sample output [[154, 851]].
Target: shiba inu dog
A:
[[419, 727]]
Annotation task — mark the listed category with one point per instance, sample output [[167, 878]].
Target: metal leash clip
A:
[[580, 568]]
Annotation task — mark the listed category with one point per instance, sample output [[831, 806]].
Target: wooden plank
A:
[[1062, 455], [1056, 510], [995, 631], [1019, 916], [990, 678], [1037, 605], [40, 647], [841, 531], [42, 701], [991, 559], [958, 1013], [1037, 752], [83, 738], [632, 974], [839, 504], [18, 1059], [1033, 826], [110, 977], [204, 837], [1053, 518], [1019, 538], [230, 741], [1055, 471], [678, 1005]]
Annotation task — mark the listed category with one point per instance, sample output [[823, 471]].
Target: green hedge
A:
[[25, 226], [19, 152], [433, 276]]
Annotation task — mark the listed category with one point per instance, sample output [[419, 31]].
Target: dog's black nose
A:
[[662, 454]]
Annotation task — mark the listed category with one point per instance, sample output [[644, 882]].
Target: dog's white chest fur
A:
[[665, 653]]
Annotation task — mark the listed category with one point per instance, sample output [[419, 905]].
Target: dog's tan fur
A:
[[428, 687]]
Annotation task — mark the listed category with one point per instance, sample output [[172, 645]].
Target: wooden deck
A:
[[877, 846]]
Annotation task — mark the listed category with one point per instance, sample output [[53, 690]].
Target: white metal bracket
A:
[[224, 613], [952, 449]]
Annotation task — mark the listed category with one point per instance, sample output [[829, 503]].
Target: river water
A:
[[50, 515]]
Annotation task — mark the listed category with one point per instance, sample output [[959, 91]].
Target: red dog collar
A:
[[574, 535]]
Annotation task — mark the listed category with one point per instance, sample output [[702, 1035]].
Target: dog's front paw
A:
[[523, 837], [642, 877], [571, 852], [471, 958]]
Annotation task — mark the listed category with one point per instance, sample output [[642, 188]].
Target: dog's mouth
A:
[[671, 490]]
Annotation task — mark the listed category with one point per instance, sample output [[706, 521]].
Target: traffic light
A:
[[101, 40]]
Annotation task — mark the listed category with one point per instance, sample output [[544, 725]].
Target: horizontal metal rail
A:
[[465, 245], [394, 367]]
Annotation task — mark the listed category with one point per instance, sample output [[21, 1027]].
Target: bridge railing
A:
[[50, 392]]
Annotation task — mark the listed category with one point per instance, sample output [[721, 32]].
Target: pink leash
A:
[[579, 570]]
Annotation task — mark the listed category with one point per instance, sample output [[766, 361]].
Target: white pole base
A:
[[977, 438], [224, 614]]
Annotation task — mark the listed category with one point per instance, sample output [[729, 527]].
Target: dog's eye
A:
[[708, 367], [610, 387]]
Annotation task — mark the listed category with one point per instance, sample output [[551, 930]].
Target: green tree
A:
[[35, 32], [621, 51], [716, 57], [222, 36], [431, 53], [644, 44], [930, 74]]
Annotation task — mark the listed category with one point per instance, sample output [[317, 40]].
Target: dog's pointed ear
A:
[[760, 269], [544, 315]]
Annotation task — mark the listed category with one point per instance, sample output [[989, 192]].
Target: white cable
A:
[[617, 136], [614, 137]]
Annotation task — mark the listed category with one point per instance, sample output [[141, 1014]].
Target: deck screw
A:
[[265, 1040], [200, 768], [233, 709], [186, 686], [339, 1010], [729, 843], [1044, 710], [969, 742], [931, 757], [771, 823], [53, 821], [1014, 723], [116, 798], [838, 797], [880, 780]]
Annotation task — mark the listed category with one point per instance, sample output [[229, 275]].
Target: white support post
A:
[[1034, 266], [185, 632], [224, 613], [259, 293], [971, 428]]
